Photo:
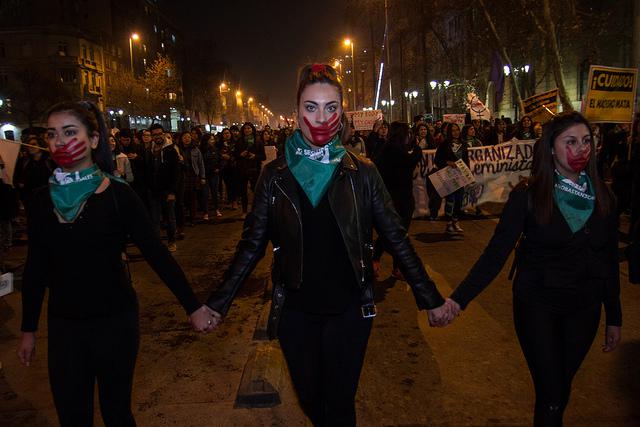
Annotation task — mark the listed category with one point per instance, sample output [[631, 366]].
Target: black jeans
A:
[[555, 346], [82, 352], [325, 354]]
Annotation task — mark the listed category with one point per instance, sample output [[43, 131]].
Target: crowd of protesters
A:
[[191, 177]]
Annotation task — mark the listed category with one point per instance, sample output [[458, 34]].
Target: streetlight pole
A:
[[349, 42], [135, 37]]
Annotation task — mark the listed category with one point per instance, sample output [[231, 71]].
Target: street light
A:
[[348, 42], [133, 37]]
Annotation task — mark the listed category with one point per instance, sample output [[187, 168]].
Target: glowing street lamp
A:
[[132, 38], [348, 42]]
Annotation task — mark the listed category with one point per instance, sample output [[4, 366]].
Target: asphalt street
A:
[[471, 373]]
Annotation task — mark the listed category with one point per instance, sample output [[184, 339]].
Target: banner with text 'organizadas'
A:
[[495, 168]]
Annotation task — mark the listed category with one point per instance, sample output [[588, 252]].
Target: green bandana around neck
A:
[[250, 141], [575, 201], [69, 190], [313, 169]]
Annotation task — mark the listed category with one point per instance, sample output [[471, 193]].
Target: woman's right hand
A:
[[27, 349]]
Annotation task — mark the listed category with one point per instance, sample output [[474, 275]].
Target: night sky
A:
[[266, 42]]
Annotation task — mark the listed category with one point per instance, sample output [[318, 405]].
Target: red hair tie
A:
[[319, 68]]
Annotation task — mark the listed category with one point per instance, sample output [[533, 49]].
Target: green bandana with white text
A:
[[575, 201], [313, 168]]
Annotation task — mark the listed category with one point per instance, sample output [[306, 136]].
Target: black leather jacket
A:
[[359, 201]]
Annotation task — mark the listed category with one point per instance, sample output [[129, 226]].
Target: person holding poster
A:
[[452, 149], [566, 262], [318, 205]]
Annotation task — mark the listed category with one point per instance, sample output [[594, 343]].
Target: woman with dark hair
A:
[[318, 205], [228, 167], [396, 162], [376, 139], [121, 161], [212, 164], [498, 133], [524, 129], [468, 135], [33, 170], [567, 262], [77, 231], [452, 149], [194, 175], [249, 154]]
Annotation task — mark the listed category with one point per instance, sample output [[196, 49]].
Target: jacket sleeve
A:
[[250, 249], [201, 172], [502, 242], [388, 225]]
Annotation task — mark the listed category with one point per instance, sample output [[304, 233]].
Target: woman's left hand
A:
[[611, 338]]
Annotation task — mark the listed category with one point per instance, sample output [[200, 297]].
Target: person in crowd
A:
[[266, 136], [78, 228], [230, 171], [212, 164], [377, 139], [431, 137], [33, 169], [135, 153], [498, 133], [566, 262], [537, 130], [452, 149], [422, 136], [249, 154], [194, 174], [145, 138], [317, 205], [478, 131], [283, 134], [396, 162], [355, 144], [468, 135], [121, 161], [164, 168], [440, 137], [524, 130]]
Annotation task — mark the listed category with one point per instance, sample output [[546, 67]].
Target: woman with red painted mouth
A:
[[78, 228], [566, 262], [318, 205]]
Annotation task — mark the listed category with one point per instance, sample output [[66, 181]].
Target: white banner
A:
[[9, 152], [496, 169], [454, 118]]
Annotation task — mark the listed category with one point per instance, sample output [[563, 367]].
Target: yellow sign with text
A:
[[611, 94]]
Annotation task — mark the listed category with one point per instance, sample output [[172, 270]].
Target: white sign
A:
[[9, 152], [6, 284], [448, 180], [454, 118], [364, 120]]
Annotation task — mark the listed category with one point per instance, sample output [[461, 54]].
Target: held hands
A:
[[205, 319], [444, 315], [27, 349]]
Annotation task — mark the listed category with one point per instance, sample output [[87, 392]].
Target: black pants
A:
[[555, 346], [435, 201], [244, 179], [405, 208], [83, 352], [325, 354]]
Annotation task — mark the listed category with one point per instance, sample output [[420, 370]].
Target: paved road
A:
[[471, 373]]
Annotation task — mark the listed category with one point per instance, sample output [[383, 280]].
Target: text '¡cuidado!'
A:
[[612, 81]]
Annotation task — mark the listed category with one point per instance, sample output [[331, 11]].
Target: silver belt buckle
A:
[[369, 310]]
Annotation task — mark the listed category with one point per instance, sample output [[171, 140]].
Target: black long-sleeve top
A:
[[81, 262], [557, 270], [396, 165]]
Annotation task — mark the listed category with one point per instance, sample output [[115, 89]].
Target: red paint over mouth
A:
[[70, 152], [578, 162], [321, 135]]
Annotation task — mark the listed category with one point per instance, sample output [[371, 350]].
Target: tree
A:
[[162, 85], [127, 92]]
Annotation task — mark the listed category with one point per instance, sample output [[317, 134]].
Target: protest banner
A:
[[496, 170], [454, 118], [477, 109], [449, 179], [610, 95], [542, 107], [364, 120], [271, 153], [9, 152], [6, 284]]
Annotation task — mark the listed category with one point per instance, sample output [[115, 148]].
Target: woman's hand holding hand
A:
[[205, 319], [444, 315], [27, 349], [611, 338]]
